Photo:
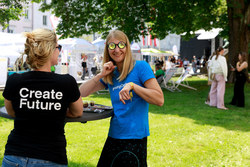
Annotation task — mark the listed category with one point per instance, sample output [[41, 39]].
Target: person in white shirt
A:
[[208, 64], [218, 75], [168, 64], [89, 66], [186, 63]]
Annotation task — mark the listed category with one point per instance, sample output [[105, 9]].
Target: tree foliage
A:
[[140, 17], [10, 10], [157, 17]]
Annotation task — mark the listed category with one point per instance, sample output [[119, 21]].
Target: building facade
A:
[[32, 19]]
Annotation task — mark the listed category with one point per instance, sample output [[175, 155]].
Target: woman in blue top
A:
[[132, 86]]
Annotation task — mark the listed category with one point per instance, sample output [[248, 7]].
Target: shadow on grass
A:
[[71, 164], [85, 164], [2, 120], [190, 104]]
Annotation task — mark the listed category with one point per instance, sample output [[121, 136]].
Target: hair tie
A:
[[35, 44]]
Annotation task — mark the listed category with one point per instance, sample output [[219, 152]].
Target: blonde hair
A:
[[39, 47], [128, 63]]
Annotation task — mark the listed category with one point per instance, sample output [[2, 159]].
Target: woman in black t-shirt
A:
[[39, 100]]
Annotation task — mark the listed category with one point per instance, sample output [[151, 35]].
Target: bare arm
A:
[[94, 84], [75, 109], [152, 92], [9, 107], [91, 86], [242, 66]]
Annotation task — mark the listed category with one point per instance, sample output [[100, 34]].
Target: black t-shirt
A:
[[40, 100]]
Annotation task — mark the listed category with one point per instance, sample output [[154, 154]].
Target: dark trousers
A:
[[124, 153], [239, 98], [83, 73]]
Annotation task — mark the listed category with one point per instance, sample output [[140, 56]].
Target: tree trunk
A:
[[239, 32]]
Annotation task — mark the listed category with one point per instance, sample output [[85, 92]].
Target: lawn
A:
[[184, 132]]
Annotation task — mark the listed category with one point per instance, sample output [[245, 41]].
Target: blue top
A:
[[130, 120]]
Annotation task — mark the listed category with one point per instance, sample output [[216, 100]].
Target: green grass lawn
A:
[[184, 132]]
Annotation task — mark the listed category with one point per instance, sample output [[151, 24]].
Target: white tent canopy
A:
[[155, 52], [209, 34], [72, 48], [99, 41], [11, 46], [135, 46], [136, 51], [10, 54], [100, 44], [78, 44]]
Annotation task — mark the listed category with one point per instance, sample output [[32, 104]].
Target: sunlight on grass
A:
[[183, 132]]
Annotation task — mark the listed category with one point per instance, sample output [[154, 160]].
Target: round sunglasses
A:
[[120, 45]]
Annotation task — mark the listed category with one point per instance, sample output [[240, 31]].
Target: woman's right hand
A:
[[107, 68]]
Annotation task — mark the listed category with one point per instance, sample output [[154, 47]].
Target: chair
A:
[[160, 79], [103, 91], [166, 79], [181, 80], [179, 71]]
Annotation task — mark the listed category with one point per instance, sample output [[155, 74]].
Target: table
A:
[[86, 116], [2, 87]]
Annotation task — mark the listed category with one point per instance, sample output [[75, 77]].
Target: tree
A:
[[239, 28], [10, 10], [157, 17]]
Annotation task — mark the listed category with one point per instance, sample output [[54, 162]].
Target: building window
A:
[[10, 31], [45, 20], [27, 29], [26, 14]]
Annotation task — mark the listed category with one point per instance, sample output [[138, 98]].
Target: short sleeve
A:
[[74, 90], [106, 85], [145, 71], [10, 84]]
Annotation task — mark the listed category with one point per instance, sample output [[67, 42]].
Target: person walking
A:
[[94, 66], [89, 66], [194, 66], [219, 77], [39, 100], [84, 65], [241, 78], [132, 86], [194, 62], [185, 63]]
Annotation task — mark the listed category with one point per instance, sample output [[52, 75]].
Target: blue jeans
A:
[[11, 160]]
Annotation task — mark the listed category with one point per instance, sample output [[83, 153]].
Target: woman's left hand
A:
[[124, 94]]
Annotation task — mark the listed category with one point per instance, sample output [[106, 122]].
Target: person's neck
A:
[[119, 67], [45, 68]]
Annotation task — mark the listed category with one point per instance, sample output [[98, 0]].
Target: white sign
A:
[[175, 50], [3, 71]]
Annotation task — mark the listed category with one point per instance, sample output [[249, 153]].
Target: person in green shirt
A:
[[159, 73], [53, 69]]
